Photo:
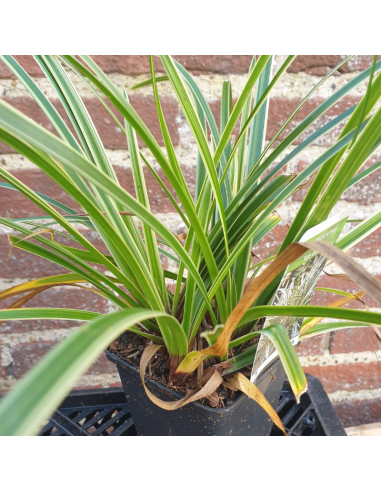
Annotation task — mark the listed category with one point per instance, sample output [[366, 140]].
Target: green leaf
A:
[[245, 94], [149, 82], [310, 312], [42, 390], [290, 361], [364, 174], [76, 234], [240, 361], [302, 103], [199, 135], [259, 123], [17, 124], [47, 199], [51, 113], [325, 328], [258, 106], [46, 313], [317, 113], [142, 196], [360, 232]]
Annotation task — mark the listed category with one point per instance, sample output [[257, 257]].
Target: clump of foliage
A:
[[239, 186]]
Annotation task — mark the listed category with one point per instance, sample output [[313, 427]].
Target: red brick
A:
[[14, 204], [139, 64], [354, 341], [28, 64], [348, 377], [270, 242], [280, 110], [74, 298], [320, 65], [368, 190], [116, 385], [21, 264], [223, 64], [111, 135], [321, 298], [365, 192], [370, 246], [27, 355], [197, 64], [358, 412], [314, 346], [159, 201]]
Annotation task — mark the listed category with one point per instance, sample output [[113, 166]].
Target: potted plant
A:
[[201, 336]]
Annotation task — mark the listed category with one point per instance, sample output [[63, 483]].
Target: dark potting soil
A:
[[130, 347]]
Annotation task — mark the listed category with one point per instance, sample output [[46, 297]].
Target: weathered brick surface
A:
[[358, 412], [354, 341], [224, 64], [27, 355], [321, 298], [109, 132], [270, 242], [314, 346], [159, 201], [369, 247], [280, 110], [73, 298], [14, 204], [21, 264], [365, 192], [320, 65], [348, 377], [139, 64], [28, 64]]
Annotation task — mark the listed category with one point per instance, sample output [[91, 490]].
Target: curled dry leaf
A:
[[211, 383], [209, 388]]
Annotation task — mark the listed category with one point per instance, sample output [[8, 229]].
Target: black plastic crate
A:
[[314, 416], [92, 413], [105, 413]]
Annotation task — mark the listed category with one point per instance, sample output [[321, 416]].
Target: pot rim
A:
[[117, 360]]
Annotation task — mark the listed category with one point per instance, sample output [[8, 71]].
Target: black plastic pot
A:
[[244, 418]]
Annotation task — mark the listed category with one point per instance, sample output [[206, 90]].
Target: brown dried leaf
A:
[[241, 383], [343, 301], [210, 387]]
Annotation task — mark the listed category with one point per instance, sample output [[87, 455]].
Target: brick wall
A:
[[346, 363]]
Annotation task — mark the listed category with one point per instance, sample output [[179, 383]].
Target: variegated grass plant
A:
[[238, 190]]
